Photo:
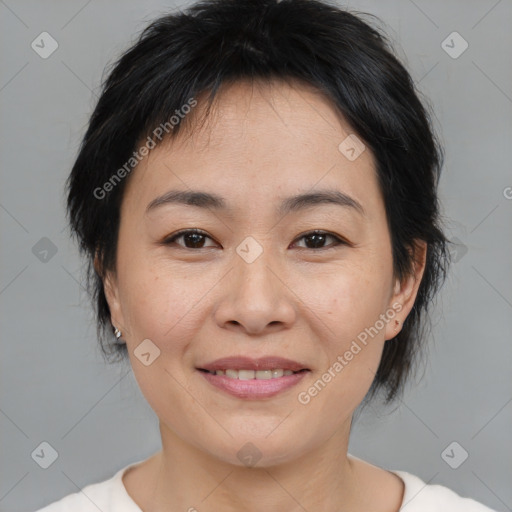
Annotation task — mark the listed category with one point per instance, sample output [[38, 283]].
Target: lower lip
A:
[[253, 388]]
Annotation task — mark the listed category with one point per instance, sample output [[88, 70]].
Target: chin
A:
[[258, 449]]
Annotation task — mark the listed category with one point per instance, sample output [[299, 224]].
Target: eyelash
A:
[[179, 234]]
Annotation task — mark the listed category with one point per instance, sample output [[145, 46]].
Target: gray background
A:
[[55, 386]]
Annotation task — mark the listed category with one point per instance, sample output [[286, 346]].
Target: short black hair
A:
[[192, 53]]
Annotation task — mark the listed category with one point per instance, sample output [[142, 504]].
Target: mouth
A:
[[248, 378], [245, 374]]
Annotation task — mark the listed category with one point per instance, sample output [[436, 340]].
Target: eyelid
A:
[[339, 240], [169, 239]]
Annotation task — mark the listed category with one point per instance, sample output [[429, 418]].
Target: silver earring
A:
[[117, 332]]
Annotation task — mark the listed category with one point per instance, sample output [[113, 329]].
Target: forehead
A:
[[246, 116], [259, 142]]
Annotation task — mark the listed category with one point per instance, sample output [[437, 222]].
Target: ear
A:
[[405, 291], [111, 289]]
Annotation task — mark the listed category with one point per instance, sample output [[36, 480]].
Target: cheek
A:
[[346, 299], [161, 304], [345, 306], [351, 342], [160, 307]]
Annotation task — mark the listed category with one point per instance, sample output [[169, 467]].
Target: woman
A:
[[256, 195]]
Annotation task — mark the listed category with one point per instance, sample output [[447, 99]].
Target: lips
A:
[[251, 378], [247, 363]]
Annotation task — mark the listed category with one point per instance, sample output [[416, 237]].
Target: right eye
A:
[[193, 237]]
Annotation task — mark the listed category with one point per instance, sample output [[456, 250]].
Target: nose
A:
[[256, 298]]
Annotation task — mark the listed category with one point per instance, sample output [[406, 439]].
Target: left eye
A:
[[195, 238], [317, 239]]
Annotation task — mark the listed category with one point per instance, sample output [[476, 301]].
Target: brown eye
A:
[[196, 239], [192, 239], [316, 240]]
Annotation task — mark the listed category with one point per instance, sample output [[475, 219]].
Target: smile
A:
[[251, 384], [253, 374]]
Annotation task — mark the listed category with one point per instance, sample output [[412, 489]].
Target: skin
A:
[[262, 143]]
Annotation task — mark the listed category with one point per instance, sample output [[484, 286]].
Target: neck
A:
[[190, 479]]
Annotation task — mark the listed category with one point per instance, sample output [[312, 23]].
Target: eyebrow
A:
[[290, 204]]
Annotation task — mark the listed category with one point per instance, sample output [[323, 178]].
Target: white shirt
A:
[[111, 496]]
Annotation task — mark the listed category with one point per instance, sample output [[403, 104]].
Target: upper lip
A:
[[248, 363]]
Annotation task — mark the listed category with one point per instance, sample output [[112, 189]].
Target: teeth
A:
[[246, 374], [252, 374]]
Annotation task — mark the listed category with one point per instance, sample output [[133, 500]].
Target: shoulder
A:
[[421, 497], [107, 496]]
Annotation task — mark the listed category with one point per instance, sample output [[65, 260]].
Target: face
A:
[[257, 281]]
